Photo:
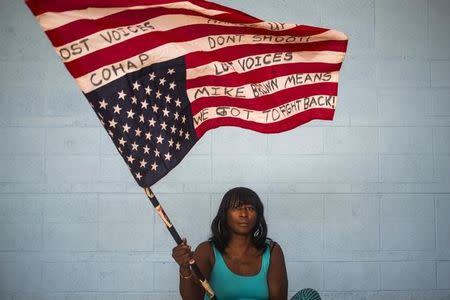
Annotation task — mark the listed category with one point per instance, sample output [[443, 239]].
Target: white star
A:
[[120, 150], [148, 90], [152, 122], [148, 136], [138, 132], [138, 175], [160, 139], [181, 132], [173, 129], [165, 112], [143, 163], [122, 141], [156, 153], [152, 75], [176, 115], [103, 104], [130, 114], [171, 71], [155, 108], [146, 149], [126, 128], [186, 136], [167, 156], [172, 85], [178, 102], [110, 132], [122, 95], [171, 143], [162, 81], [168, 98], [134, 146], [158, 94], [154, 166], [144, 104], [163, 126], [141, 119], [177, 146], [183, 119], [130, 158], [136, 86], [117, 109], [133, 100], [112, 123]]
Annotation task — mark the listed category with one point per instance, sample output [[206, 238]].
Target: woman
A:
[[238, 260]]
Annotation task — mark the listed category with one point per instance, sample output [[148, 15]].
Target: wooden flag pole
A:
[[194, 268]]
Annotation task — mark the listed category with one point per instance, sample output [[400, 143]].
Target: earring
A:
[[258, 231], [218, 227]]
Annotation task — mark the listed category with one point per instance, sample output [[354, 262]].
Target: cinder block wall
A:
[[360, 205]]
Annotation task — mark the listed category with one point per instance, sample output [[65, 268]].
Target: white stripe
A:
[[52, 20], [109, 37], [255, 62], [273, 115], [267, 87]]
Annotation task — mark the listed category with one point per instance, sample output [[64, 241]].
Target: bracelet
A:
[[185, 277]]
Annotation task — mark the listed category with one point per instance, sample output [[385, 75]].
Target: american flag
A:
[[161, 73]]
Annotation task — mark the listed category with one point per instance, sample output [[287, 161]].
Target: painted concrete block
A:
[[125, 276], [440, 74], [406, 140], [72, 169], [69, 277], [443, 274], [20, 237], [234, 141], [125, 236], [305, 140], [73, 141], [22, 169], [351, 222], [406, 168], [351, 276], [19, 141], [305, 275], [415, 275], [70, 236], [351, 140], [394, 23], [443, 223]]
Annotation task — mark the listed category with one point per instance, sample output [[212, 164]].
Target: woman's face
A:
[[242, 219]]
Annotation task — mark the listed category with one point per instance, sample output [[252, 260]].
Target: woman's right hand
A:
[[182, 254]]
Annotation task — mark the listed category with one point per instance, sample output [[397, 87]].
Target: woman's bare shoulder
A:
[[204, 251]]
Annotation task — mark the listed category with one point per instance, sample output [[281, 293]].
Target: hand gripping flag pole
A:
[[194, 268]]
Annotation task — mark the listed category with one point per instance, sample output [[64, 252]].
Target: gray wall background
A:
[[360, 205]]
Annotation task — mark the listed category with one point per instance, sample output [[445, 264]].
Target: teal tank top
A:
[[231, 286]]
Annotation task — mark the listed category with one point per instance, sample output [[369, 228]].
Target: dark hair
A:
[[219, 227]]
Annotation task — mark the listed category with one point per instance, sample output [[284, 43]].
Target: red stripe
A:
[[262, 74], [42, 6], [81, 28], [284, 125], [268, 101], [146, 42]]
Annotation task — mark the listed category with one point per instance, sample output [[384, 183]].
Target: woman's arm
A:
[[190, 289], [277, 275]]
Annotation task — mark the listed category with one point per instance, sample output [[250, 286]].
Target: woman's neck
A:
[[240, 244]]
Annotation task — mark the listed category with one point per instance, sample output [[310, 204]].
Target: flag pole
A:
[[194, 268]]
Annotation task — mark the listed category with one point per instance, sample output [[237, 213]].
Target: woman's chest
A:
[[243, 265]]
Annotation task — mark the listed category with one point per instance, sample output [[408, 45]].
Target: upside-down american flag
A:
[[161, 73]]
